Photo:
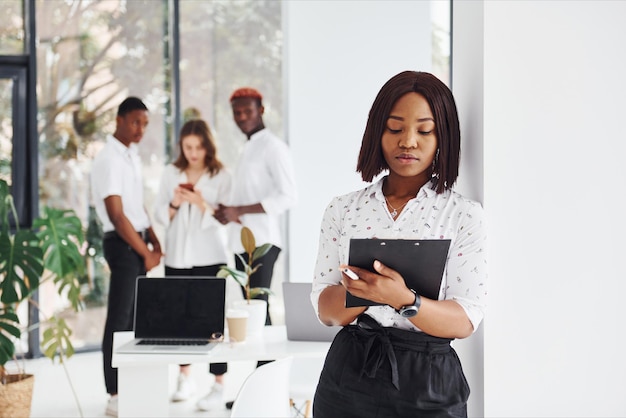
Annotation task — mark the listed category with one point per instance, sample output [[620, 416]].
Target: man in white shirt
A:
[[264, 186], [131, 247]]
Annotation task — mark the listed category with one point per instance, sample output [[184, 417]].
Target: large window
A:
[[93, 54], [14, 140], [176, 55], [226, 45], [90, 56], [12, 107], [12, 28]]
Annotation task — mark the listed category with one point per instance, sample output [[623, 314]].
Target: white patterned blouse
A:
[[364, 214]]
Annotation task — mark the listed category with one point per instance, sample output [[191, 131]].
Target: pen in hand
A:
[[350, 273]]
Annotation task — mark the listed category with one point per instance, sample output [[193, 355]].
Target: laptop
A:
[[182, 315], [300, 318]]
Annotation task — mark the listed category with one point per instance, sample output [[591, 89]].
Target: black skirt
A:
[[375, 371]]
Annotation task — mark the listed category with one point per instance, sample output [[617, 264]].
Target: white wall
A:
[[338, 55], [551, 76], [554, 146], [467, 87]]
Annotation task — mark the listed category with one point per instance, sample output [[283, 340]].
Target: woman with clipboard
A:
[[393, 358]]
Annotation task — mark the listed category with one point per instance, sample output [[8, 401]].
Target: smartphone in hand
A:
[[187, 186]]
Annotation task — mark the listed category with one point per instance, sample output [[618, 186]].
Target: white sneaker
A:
[[213, 400], [112, 406], [185, 390]]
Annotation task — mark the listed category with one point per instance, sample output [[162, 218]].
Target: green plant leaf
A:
[[247, 269], [56, 340], [8, 329], [247, 240], [7, 349], [9, 322], [71, 284], [261, 251], [243, 277], [256, 291], [252, 271], [239, 276], [21, 265], [243, 260], [24, 256], [60, 233]]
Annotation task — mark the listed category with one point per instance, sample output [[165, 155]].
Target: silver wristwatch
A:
[[409, 311]]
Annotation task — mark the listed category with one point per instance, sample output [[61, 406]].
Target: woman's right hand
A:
[[178, 197], [385, 286]]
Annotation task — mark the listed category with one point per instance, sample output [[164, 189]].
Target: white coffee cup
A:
[[237, 320]]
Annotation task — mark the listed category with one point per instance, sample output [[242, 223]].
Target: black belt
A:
[[113, 234]]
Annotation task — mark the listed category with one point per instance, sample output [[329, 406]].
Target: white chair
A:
[[304, 376], [265, 392]]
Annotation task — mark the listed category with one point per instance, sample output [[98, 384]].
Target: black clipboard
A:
[[420, 262]]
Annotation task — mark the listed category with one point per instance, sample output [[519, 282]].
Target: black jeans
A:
[[214, 368], [125, 265]]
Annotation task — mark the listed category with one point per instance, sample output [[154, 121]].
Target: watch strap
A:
[[409, 311]]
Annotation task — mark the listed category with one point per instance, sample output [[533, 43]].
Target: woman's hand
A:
[[441, 318], [178, 197], [385, 286], [192, 197]]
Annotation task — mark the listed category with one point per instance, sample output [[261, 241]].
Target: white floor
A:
[[52, 393]]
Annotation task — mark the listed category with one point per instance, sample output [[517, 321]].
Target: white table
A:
[[143, 378]]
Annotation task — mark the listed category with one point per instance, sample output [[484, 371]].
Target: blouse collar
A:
[[424, 192]]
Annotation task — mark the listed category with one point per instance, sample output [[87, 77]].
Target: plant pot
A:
[[16, 396], [257, 310]]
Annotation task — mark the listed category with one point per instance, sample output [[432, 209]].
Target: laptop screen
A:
[[179, 307]]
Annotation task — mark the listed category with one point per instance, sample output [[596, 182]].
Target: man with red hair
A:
[[263, 187]]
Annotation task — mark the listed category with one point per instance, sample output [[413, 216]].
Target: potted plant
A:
[[257, 308], [48, 251]]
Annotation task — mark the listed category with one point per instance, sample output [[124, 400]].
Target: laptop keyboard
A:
[[173, 342]]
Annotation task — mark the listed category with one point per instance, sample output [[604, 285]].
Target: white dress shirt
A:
[[193, 238], [116, 171], [264, 175], [364, 214]]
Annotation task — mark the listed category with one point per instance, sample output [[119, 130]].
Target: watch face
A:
[[408, 311]]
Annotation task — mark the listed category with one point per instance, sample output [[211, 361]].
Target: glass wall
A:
[[90, 56], [12, 93], [7, 88], [441, 16], [12, 27], [93, 54], [226, 45]]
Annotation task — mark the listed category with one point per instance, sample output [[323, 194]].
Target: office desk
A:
[[143, 378]]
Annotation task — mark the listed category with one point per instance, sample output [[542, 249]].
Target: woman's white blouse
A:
[[364, 214], [193, 238]]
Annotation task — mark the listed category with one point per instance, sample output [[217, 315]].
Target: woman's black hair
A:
[[371, 161]]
